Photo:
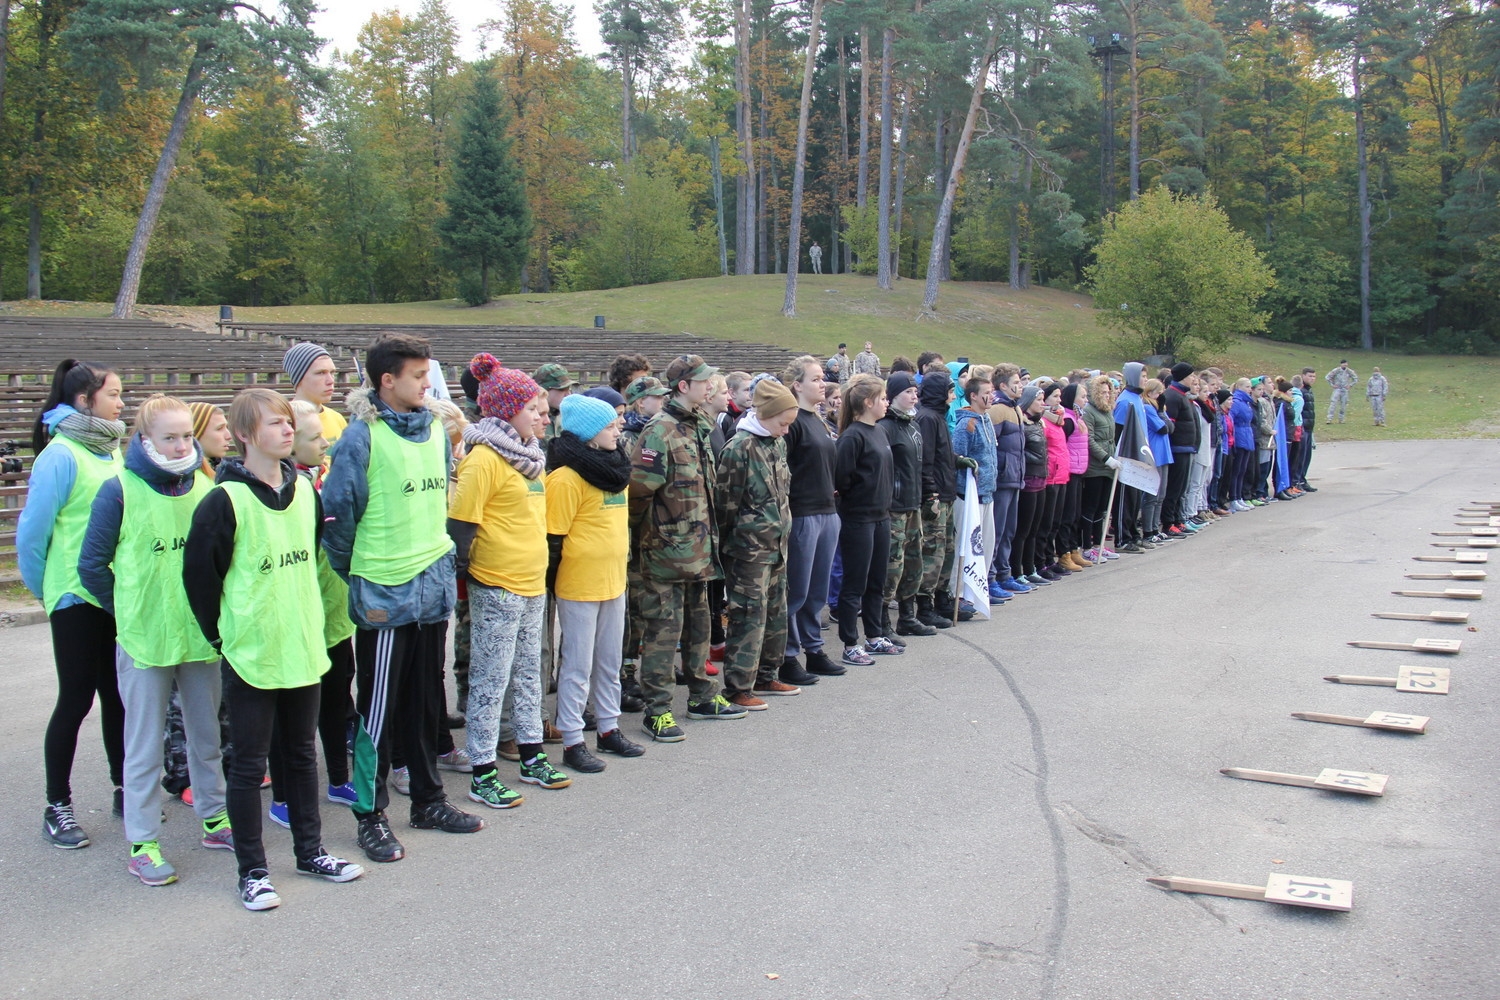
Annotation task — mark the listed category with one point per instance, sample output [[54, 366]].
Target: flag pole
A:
[[1108, 513]]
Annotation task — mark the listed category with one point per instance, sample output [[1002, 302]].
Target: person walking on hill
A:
[[1376, 389], [815, 254], [1341, 378]]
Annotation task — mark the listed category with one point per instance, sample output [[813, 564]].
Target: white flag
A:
[[968, 562]]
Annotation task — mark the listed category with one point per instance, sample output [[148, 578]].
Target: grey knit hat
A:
[[1028, 396], [299, 358]]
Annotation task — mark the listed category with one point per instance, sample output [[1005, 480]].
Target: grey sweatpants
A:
[[592, 633], [505, 654], [145, 692]]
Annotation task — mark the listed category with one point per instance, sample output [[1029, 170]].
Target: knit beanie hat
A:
[[1222, 395], [897, 383], [1181, 370], [502, 391], [1028, 396], [202, 414], [607, 394], [299, 358], [470, 385], [584, 416], [1070, 394], [771, 398]]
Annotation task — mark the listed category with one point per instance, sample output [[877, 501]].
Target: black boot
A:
[[943, 602], [930, 617], [885, 626], [791, 672], [907, 623]]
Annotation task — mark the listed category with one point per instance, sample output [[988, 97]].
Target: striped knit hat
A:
[[299, 358], [502, 391]]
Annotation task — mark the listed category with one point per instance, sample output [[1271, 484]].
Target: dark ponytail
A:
[[72, 379]]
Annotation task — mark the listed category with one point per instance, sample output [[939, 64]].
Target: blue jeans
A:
[[1005, 506], [809, 560]]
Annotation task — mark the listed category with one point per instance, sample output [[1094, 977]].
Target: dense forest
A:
[[209, 149]]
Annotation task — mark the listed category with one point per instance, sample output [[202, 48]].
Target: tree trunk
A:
[[130, 282], [4, 52], [627, 98], [883, 266], [862, 184], [763, 249], [744, 237], [900, 185], [1361, 146], [713, 156], [794, 227], [48, 21], [945, 210], [836, 246], [1135, 108]]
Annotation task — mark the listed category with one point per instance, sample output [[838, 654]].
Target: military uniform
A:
[[1375, 391], [1341, 379], [673, 522], [753, 496]]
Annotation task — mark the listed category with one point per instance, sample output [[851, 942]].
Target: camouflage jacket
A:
[[672, 497], [754, 499]]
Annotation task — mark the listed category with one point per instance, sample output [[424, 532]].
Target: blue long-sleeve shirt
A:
[[52, 477]]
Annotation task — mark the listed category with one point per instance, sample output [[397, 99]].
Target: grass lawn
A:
[[1042, 329]]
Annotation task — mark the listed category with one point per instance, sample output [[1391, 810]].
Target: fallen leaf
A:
[[773, 975], [1277, 861]]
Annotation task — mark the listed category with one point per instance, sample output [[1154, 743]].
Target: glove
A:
[[965, 462], [1112, 462]]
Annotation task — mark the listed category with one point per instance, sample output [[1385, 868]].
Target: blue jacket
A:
[[1010, 443], [429, 597], [974, 437], [1242, 412], [1158, 433], [954, 367], [52, 477], [101, 539]]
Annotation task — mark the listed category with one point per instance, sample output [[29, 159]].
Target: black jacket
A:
[[1036, 447], [1185, 432], [1309, 409], [939, 475], [906, 460], [863, 475]]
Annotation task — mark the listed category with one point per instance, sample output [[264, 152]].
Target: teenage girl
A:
[[862, 479], [251, 573], [1033, 489], [77, 443], [1048, 531], [132, 562]]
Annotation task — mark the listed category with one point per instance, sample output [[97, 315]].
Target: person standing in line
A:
[[975, 452], [903, 569], [867, 362], [1309, 418], [76, 439], [672, 516], [1098, 419], [811, 455], [386, 499], [815, 254], [558, 384], [1033, 490], [314, 379], [1376, 389], [1341, 378], [939, 489], [839, 367], [741, 395], [1010, 472], [1178, 402], [625, 369], [136, 555], [754, 512], [251, 575], [1241, 425], [1073, 401], [862, 479]]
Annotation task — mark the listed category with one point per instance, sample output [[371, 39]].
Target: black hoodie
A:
[[939, 477]]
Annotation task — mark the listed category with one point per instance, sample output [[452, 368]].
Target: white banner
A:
[[1139, 475], [968, 561]]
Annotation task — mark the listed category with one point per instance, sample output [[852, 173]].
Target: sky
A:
[[339, 21]]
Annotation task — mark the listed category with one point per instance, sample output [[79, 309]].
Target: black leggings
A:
[[1095, 506], [1028, 517], [335, 706], [866, 548], [83, 646], [1240, 462], [1070, 533], [1051, 521]]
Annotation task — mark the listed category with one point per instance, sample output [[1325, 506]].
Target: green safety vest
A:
[[337, 626], [271, 611], [72, 522], [152, 619], [404, 527]]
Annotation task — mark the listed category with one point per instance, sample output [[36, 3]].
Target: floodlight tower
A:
[[1105, 48]]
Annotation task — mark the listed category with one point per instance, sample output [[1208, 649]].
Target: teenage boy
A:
[[386, 501], [672, 520], [811, 455], [559, 385], [939, 489], [1180, 399], [1309, 417], [313, 376]]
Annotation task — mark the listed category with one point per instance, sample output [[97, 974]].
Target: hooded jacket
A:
[[938, 478], [906, 460], [1130, 398], [428, 597], [1101, 430], [1159, 436], [974, 437], [1242, 412], [1010, 443], [1179, 407]]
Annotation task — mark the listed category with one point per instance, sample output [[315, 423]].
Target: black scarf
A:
[[604, 470]]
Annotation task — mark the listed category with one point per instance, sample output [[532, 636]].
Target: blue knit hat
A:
[[585, 416]]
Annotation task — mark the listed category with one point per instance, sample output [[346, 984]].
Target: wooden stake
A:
[[1456, 557], [1289, 890], [1472, 543], [1329, 779], [1411, 680], [1471, 533], [1447, 646], [1446, 617], [1450, 593], [1452, 574], [1377, 720]]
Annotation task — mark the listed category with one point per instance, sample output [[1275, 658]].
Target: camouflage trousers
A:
[[903, 570], [755, 642], [937, 547], [672, 613], [1377, 404]]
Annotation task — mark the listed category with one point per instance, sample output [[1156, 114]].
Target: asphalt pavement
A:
[[976, 819]]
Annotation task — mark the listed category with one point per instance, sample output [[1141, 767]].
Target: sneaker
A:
[[1257, 502], [747, 701], [791, 672], [716, 652], [1131, 548], [717, 707], [776, 689], [377, 841], [119, 803], [325, 866], [1093, 557], [445, 816], [710, 668], [539, 771], [578, 758], [257, 892], [881, 646], [59, 827], [218, 835], [265, 781], [819, 663], [280, 815], [147, 864], [1016, 586], [857, 656], [663, 728], [187, 796], [1174, 531], [998, 594], [1110, 554], [1038, 580], [488, 790], [401, 780], [615, 742], [507, 750], [456, 759], [343, 795], [966, 610], [550, 733]]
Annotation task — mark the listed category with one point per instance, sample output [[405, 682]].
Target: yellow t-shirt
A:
[[510, 549], [597, 543], [334, 426]]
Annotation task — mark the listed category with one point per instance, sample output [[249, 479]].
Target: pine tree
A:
[[488, 221]]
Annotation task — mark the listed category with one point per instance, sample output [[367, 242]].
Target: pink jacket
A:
[[1078, 445], [1057, 453]]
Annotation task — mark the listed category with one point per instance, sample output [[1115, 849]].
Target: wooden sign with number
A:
[[1448, 593], [1289, 890], [1446, 646], [1378, 720], [1445, 617], [1473, 575], [1473, 543], [1413, 680], [1329, 779], [1470, 533], [1455, 557]]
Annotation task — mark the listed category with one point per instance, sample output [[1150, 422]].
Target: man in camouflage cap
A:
[[644, 397], [673, 524], [559, 385]]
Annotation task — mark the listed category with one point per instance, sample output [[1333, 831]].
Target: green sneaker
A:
[[147, 864], [541, 772], [663, 728], [217, 834], [487, 790]]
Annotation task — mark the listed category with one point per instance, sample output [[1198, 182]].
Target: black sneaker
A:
[[615, 742], [377, 841], [119, 806], [819, 663], [257, 892], [325, 866], [663, 728], [445, 816], [578, 758], [61, 829], [590, 721], [791, 672], [717, 707], [1307, 489]]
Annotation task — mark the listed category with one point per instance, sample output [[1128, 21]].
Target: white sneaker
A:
[[401, 780], [456, 759]]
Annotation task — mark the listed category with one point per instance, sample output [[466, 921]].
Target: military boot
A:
[[907, 623], [928, 616]]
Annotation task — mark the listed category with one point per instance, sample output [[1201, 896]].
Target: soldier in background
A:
[[815, 254], [867, 362], [1341, 378], [559, 385], [1376, 389]]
